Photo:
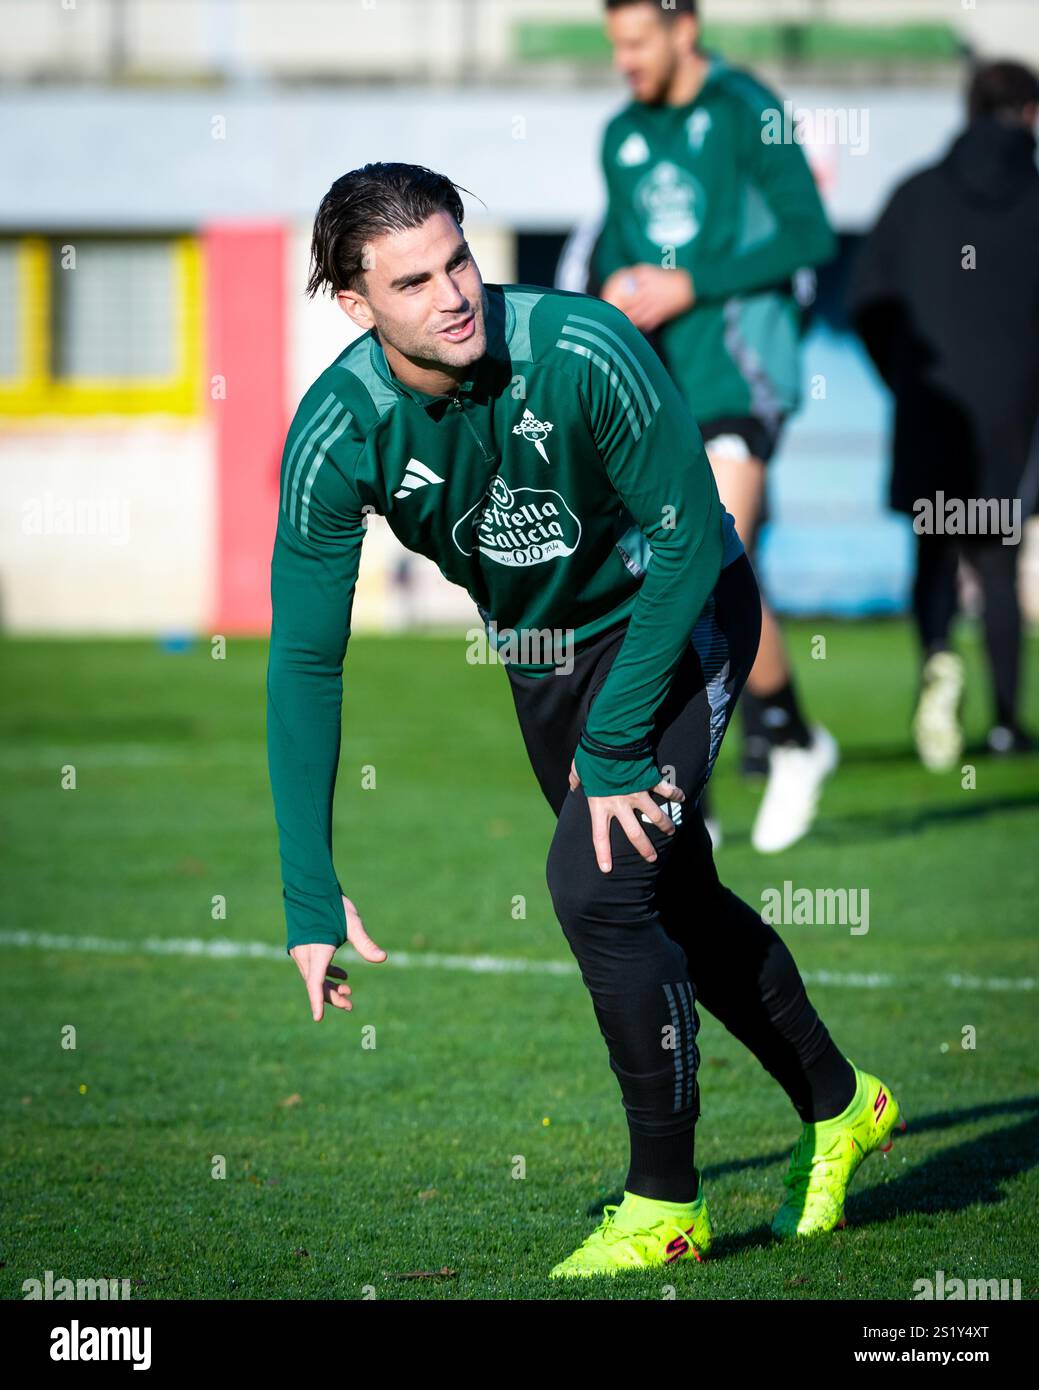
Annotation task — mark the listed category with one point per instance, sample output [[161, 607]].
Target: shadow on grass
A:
[[903, 753], [965, 1175], [894, 821]]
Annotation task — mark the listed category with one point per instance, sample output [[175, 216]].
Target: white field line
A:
[[222, 949]]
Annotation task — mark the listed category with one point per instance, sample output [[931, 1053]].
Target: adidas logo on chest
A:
[[416, 475]]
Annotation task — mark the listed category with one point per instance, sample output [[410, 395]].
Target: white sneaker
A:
[[795, 780], [937, 732]]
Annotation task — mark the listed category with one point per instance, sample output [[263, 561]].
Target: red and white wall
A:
[[161, 522]]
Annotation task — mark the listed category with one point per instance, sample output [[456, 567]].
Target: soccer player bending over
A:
[[530, 442]]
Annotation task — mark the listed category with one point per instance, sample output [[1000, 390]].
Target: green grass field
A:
[[348, 1165]]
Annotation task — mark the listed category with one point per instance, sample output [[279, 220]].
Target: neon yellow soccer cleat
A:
[[827, 1156], [642, 1234]]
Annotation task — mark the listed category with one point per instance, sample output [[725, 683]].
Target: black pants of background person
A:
[[654, 938], [936, 600]]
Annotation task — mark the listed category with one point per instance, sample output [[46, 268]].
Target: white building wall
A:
[[530, 155], [106, 526]]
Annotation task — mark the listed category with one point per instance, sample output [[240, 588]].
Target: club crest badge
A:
[[537, 431]]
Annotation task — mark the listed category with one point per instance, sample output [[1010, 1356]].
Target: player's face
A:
[[646, 48], [426, 294]]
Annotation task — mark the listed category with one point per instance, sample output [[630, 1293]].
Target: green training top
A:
[[711, 187], [565, 486]]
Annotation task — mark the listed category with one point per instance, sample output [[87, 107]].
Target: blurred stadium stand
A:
[[482, 40]]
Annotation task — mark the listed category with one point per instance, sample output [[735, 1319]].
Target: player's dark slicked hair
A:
[[367, 203], [1002, 89], [668, 8]]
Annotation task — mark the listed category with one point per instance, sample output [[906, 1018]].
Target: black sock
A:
[[662, 1166], [832, 1085], [756, 743], [750, 712], [996, 567], [935, 596], [781, 718]]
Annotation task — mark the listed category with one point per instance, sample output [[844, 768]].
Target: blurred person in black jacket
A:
[[945, 295]]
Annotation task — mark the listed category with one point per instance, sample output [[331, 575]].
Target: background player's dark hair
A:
[[668, 8], [1002, 89], [367, 203]]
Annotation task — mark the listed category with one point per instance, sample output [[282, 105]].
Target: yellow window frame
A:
[[36, 391]]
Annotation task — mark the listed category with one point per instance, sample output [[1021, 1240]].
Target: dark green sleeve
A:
[[609, 254], [801, 236], [653, 453], [313, 576]]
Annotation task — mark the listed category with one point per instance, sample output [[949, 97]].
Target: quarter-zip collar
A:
[[489, 373]]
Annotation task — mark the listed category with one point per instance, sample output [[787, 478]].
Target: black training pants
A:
[[654, 938]]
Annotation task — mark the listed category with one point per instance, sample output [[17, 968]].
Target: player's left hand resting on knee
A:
[[623, 808]]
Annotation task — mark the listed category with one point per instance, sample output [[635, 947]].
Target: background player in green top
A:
[[707, 222], [532, 444]]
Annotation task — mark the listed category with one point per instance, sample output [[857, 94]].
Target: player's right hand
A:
[[618, 287], [314, 963]]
